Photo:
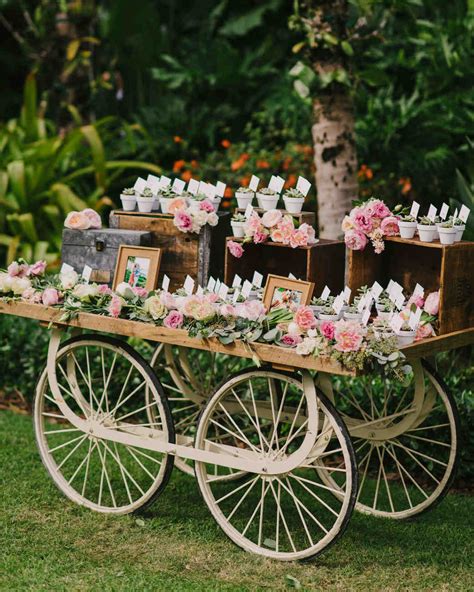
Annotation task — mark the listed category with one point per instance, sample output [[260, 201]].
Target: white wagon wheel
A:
[[189, 377], [288, 516], [103, 380], [405, 438]]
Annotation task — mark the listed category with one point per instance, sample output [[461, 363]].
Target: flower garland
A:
[[276, 227]]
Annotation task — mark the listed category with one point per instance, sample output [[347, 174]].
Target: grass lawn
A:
[[48, 543]]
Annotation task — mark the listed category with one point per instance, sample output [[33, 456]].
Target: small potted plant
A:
[[385, 307], [405, 335], [351, 313], [166, 196], [294, 201], [407, 226], [215, 201], [328, 314], [426, 229], [145, 201], [317, 304], [267, 198], [128, 199], [459, 225], [195, 201], [382, 329], [244, 196], [447, 232], [237, 222]]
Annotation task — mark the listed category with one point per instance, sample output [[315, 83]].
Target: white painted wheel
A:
[[264, 414], [105, 381], [405, 438]]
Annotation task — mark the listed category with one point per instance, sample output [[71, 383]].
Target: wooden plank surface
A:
[[434, 345]]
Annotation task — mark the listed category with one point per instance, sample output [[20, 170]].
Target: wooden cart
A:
[[275, 450]]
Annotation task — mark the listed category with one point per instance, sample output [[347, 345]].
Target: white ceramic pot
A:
[[164, 203], [215, 201], [194, 205], [328, 317], [352, 316], [316, 308], [405, 337], [459, 232], [407, 229], [145, 204], [294, 205], [156, 204], [383, 334], [238, 229], [129, 202], [267, 202], [447, 236], [244, 199], [383, 315], [426, 232]]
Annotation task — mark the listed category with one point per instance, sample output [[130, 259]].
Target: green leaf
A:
[[347, 48], [29, 110], [16, 173], [98, 154], [66, 198]]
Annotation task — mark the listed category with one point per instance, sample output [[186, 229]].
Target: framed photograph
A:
[[283, 292], [137, 266]]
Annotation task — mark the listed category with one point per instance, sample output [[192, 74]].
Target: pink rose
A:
[[173, 320], [363, 220], [227, 310], [305, 318], [93, 217], [309, 232], [50, 297], [166, 298], [348, 335], [37, 268], [355, 240], [379, 209], [199, 308], [432, 303], [104, 290], [183, 221], [235, 249], [327, 329], [77, 221], [141, 292], [291, 340], [115, 307], [424, 331], [287, 224], [212, 297], [389, 226], [16, 269], [252, 224], [176, 204], [271, 218], [298, 239], [260, 236], [207, 206], [276, 235], [347, 224], [251, 310], [416, 300]]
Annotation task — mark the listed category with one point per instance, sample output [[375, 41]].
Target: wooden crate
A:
[[183, 253], [322, 263], [449, 268], [302, 217]]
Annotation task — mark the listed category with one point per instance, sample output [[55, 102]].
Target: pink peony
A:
[[77, 221], [327, 329], [32, 295], [355, 240], [260, 235], [347, 224], [207, 206], [424, 331], [93, 217], [16, 269], [235, 249], [251, 310], [252, 224], [227, 310], [211, 297], [298, 239], [174, 320], [432, 303], [50, 297], [104, 290], [37, 268], [363, 220], [348, 335], [378, 209], [141, 292], [115, 307], [304, 318], [416, 300], [276, 235], [199, 308], [271, 218], [176, 204], [389, 226], [183, 221], [166, 298], [291, 340]]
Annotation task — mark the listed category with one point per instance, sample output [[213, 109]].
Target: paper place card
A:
[[338, 303], [140, 185], [303, 185], [246, 289], [188, 285], [291, 276], [165, 284], [415, 208], [178, 186], [193, 186], [202, 188], [217, 287], [153, 182], [464, 213], [396, 322], [276, 183], [220, 188], [236, 296], [419, 290], [347, 294], [365, 316], [66, 268], [210, 284], [390, 287], [431, 213], [393, 295], [397, 289], [257, 279], [414, 319], [444, 211], [164, 182], [86, 273], [376, 290], [254, 181], [210, 190], [455, 213], [248, 211], [399, 301], [223, 291], [237, 281], [325, 293], [199, 291]]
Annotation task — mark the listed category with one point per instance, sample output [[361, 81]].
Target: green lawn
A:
[[47, 543]]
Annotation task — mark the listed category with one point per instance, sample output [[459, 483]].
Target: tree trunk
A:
[[335, 160]]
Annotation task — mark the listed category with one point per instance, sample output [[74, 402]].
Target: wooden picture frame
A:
[[145, 262], [302, 291]]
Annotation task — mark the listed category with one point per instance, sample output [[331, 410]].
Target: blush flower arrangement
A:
[[371, 220], [192, 219]]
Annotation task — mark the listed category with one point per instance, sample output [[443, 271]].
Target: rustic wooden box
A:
[[433, 265], [99, 249], [322, 263], [302, 217], [183, 253]]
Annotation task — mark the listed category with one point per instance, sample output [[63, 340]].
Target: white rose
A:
[[155, 308], [212, 219], [306, 347], [18, 285], [68, 279], [293, 329], [4, 282], [125, 290], [85, 291]]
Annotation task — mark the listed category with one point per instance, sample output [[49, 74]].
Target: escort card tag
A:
[[223, 291], [248, 211], [188, 285], [431, 213], [338, 303], [390, 287], [246, 289], [415, 208], [274, 183], [153, 183], [254, 181], [202, 187], [361, 303], [86, 273], [396, 323], [210, 284], [347, 294], [66, 268], [165, 284], [193, 186], [464, 213], [210, 190], [217, 287], [399, 301], [236, 296], [366, 316], [164, 182], [291, 276], [444, 211], [178, 186], [376, 290], [140, 185], [237, 281], [397, 289], [199, 291], [393, 295], [281, 183], [455, 213], [414, 319], [220, 188], [325, 293], [303, 185], [257, 279], [418, 291]]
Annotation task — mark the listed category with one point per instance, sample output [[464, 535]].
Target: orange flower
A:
[[178, 165], [237, 164], [225, 144], [405, 183], [290, 181], [263, 164], [286, 163], [186, 175], [194, 164], [244, 181], [226, 204], [177, 139], [365, 172], [228, 192]]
